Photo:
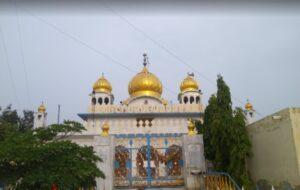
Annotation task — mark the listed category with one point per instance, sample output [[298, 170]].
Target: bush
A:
[[285, 186], [297, 187], [263, 184]]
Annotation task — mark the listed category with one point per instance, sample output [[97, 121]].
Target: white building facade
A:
[[137, 137], [145, 141]]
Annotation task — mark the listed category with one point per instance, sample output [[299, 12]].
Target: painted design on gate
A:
[[148, 160], [142, 157], [173, 159], [121, 157]]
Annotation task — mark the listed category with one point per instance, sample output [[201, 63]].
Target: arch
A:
[[192, 99], [198, 99], [106, 100], [94, 101], [185, 99], [100, 101]]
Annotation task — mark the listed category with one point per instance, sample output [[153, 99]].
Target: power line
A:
[[74, 38], [157, 43], [9, 68], [22, 53], [167, 50]]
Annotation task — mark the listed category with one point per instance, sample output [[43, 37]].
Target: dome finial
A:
[[145, 83], [248, 106], [191, 74], [145, 62], [42, 108], [105, 129], [191, 127]]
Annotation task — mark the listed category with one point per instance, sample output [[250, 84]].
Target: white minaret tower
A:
[[249, 112], [189, 91], [40, 117]]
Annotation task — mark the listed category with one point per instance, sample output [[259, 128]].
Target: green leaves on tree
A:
[[226, 141], [37, 159]]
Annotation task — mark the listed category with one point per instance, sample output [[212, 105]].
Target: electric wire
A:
[[179, 59], [117, 62], [9, 68], [22, 53], [74, 38]]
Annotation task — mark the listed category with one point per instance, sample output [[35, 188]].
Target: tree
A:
[[11, 116], [210, 129], [37, 159], [241, 148], [225, 137], [26, 122], [9, 121]]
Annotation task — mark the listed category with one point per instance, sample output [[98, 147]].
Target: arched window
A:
[[197, 99], [192, 99], [106, 100], [94, 101], [100, 101], [185, 99]]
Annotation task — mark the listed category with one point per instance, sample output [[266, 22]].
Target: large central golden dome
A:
[[145, 84]]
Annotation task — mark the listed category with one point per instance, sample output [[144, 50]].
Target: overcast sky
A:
[[256, 50]]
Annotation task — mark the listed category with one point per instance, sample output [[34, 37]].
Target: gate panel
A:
[[146, 160]]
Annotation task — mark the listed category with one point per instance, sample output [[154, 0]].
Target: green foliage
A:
[[26, 122], [199, 126], [211, 125], [285, 185], [263, 185], [225, 137], [10, 116], [240, 149], [36, 159]]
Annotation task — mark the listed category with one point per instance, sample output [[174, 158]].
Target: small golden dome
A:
[[105, 130], [191, 127], [189, 84], [102, 85], [145, 84], [42, 108], [249, 106]]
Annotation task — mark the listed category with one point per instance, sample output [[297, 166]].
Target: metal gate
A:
[[148, 160]]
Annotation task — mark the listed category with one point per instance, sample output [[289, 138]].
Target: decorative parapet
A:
[[176, 108]]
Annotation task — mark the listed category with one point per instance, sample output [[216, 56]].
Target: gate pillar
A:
[[194, 161], [103, 146]]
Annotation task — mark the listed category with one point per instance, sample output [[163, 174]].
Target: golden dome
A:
[[248, 106], [189, 84], [191, 127], [145, 84], [105, 129], [42, 108], [102, 85]]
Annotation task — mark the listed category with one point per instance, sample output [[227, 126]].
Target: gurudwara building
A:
[[144, 141], [147, 142]]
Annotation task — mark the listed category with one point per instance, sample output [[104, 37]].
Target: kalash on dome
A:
[[145, 141]]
